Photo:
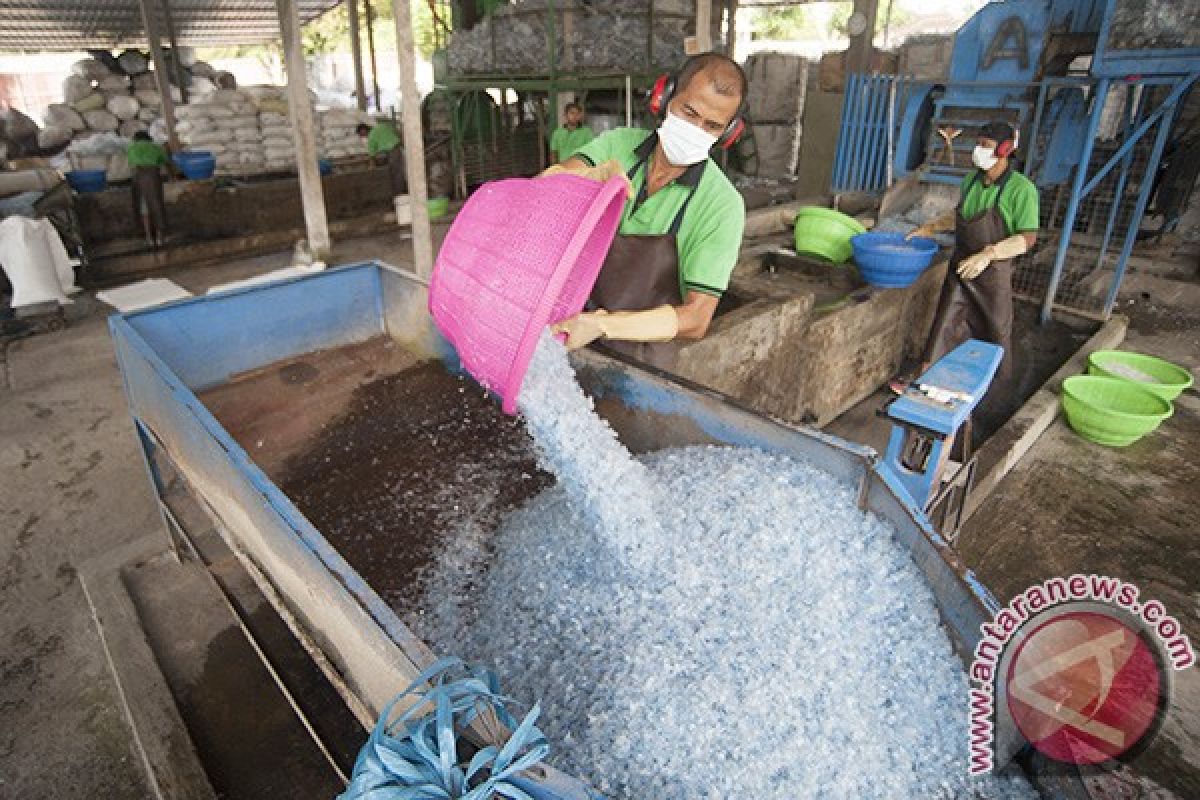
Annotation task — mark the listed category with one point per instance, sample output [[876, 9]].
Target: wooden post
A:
[[858, 56], [703, 26], [150, 23], [414, 142], [360, 84], [304, 130], [731, 30], [176, 62], [371, 50]]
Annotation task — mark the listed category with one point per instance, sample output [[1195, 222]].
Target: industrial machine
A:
[[1099, 90]]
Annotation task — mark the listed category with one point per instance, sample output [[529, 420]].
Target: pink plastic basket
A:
[[522, 254]]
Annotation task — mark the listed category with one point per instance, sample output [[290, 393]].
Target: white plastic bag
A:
[[35, 261]]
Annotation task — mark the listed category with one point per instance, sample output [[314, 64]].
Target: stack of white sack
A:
[[338, 133], [225, 123]]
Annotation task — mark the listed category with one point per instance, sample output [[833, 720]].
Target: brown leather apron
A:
[[397, 172], [981, 308], [148, 197], [642, 272]]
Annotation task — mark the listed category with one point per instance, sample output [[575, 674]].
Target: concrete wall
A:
[[780, 356], [822, 120], [201, 210]]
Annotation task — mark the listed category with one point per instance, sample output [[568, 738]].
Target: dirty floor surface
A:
[[1074, 507]]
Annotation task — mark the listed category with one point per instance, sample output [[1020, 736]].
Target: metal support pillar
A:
[[360, 84], [150, 24], [370, 18], [414, 141], [304, 130], [1068, 225]]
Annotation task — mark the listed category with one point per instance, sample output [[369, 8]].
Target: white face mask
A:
[[984, 157], [684, 143]]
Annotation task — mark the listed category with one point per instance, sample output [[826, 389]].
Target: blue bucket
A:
[[196, 165], [87, 180], [889, 260]]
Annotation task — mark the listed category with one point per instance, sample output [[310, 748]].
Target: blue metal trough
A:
[[170, 354]]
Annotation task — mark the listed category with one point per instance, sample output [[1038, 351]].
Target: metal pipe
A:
[[628, 101], [1132, 112], [1064, 240], [1031, 160], [1139, 208], [1147, 123], [891, 125]]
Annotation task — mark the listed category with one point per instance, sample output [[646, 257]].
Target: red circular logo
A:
[[1084, 687]]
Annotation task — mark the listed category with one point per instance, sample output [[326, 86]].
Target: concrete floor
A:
[[74, 487]]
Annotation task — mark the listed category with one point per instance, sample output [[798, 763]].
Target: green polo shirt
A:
[[711, 233], [565, 142], [146, 154], [1018, 204], [382, 139]]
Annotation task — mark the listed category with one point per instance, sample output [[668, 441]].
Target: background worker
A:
[[383, 144], [682, 225], [569, 137], [147, 160], [995, 221]]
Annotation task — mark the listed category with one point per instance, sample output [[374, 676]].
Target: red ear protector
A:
[[660, 98], [1005, 148]]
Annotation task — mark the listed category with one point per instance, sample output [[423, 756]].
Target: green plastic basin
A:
[[1163, 378], [1110, 411], [437, 207], [825, 233]]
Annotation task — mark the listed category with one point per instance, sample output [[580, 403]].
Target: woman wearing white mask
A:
[[682, 226], [996, 220]]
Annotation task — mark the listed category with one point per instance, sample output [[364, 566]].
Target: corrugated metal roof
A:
[[35, 25]]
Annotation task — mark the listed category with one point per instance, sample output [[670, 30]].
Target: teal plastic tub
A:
[[1111, 411], [825, 233], [1165, 379]]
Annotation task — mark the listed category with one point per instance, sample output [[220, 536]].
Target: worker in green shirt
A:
[[995, 221], [383, 143], [147, 160], [681, 228], [569, 137]]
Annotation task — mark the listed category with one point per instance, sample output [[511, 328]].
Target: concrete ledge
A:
[[110, 270], [1007, 446], [160, 737]]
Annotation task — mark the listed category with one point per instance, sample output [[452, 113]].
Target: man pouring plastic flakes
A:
[[682, 224]]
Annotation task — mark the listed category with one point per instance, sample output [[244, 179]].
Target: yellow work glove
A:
[[971, 267], [655, 325], [945, 222], [601, 172]]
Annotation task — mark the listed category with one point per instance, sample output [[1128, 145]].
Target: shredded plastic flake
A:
[[708, 622]]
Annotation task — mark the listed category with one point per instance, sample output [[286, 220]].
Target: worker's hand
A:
[[972, 267], [601, 172], [921, 230], [582, 329]]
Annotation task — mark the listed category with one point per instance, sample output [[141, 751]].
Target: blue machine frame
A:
[[167, 354], [1059, 117]]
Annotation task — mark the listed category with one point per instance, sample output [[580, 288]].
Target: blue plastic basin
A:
[[891, 261], [196, 165], [87, 180]]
